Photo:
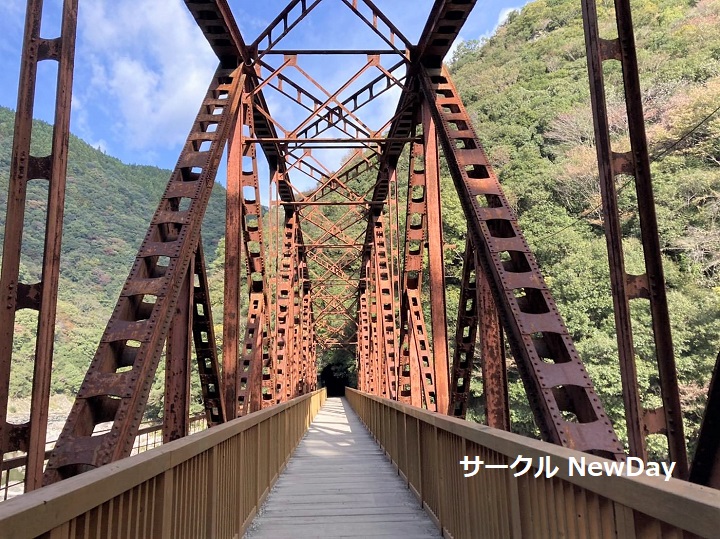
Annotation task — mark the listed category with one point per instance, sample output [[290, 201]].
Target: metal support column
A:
[[178, 349], [651, 286], [41, 296], [436, 262]]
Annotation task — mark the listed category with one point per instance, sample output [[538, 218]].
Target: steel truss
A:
[[319, 279], [118, 381], [41, 297], [667, 419]]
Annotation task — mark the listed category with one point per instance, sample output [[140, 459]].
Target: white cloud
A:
[[149, 64], [504, 14], [100, 145]]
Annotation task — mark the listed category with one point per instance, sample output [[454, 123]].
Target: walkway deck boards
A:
[[339, 483]]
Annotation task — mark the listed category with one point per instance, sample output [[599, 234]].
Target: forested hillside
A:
[[527, 91], [108, 208]]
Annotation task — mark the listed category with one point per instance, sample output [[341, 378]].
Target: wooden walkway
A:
[[339, 483]]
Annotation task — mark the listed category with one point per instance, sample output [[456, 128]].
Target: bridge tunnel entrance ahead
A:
[[335, 378]]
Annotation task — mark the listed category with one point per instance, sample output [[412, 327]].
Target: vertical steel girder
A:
[[255, 378], [666, 420], [385, 308], [206, 353], [287, 355], [566, 406], [422, 366], [465, 333], [233, 271], [366, 379], [492, 356], [306, 338], [41, 296], [193, 325], [436, 262], [178, 349], [377, 358], [118, 381], [478, 315], [410, 390]]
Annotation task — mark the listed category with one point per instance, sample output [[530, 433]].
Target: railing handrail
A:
[[694, 508], [17, 462], [51, 506]]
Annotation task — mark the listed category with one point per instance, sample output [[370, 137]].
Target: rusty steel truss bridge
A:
[[329, 266]]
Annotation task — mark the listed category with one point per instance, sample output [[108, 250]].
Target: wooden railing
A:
[[148, 437], [209, 484], [427, 449]]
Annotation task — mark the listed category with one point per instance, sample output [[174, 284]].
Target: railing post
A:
[[212, 493], [165, 516]]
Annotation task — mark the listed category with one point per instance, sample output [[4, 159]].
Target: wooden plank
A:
[[339, 483]]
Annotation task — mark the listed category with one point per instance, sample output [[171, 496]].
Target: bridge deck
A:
[[339, 483]]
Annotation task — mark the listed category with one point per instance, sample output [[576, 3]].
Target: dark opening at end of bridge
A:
[[335, 377]]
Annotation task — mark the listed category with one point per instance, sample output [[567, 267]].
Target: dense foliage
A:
[[527, 91]]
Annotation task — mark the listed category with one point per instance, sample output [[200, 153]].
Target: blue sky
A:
[[142, 66]]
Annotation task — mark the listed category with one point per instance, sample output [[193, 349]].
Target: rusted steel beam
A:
[[365, 373], [253, 387], [567, 409], [478, 316], [118, 381], [492, 356], [306, 337], [378, 375], [436, 262], [329, 52], [422, 372], [42, 296], [288, 18], [305, 203], [417, 376], [373, 22], [215, 19], [252, 360], [285, 300], [233, 251], [442, 28], [331, 142], [206, 353], [178, 349], [651, 285], [385, 308], [465, 333]]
